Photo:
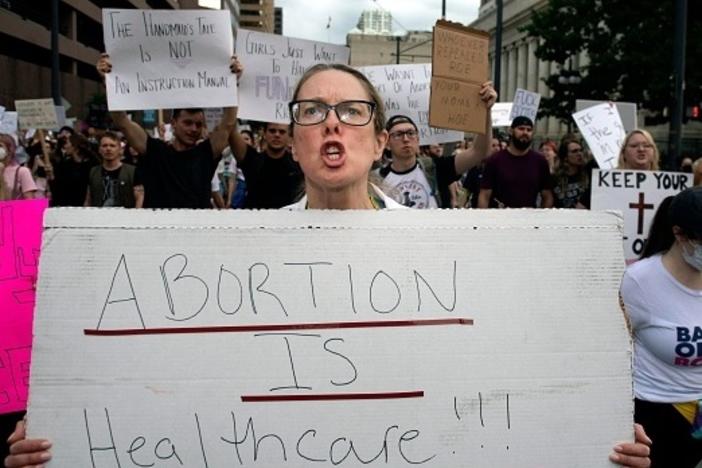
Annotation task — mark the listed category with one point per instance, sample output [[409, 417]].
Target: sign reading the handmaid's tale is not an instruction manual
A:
[[303, 343], [169, 59]]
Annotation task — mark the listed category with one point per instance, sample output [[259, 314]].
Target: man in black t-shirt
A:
[[177, 174], [514, 177], [273, 178]]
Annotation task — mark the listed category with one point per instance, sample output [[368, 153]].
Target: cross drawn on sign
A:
[[641, 206]]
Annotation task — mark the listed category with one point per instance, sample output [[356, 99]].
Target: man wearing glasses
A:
[[273, 178]]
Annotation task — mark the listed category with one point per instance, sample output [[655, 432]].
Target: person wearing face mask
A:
[[17, 180], [662, 295]]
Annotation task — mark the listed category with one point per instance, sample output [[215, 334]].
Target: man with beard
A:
[[273, 178], [516, 175]]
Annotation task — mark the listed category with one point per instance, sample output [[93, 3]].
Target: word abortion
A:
[[250, 290]]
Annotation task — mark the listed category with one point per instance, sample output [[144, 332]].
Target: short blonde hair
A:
[[621, 164]]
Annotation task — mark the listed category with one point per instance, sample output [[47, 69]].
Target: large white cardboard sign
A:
[[604, 132], [168, 59], [37, 113], [405, 90], [525, 103], [627, 111], [637, 194], [273, 64], [316, 338]]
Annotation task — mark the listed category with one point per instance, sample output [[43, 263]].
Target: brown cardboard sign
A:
[[459, 67]]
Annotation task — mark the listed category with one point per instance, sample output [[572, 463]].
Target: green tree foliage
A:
[[630, 48]]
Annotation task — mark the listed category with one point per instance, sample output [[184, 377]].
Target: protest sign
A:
[[8, 123], [525, 104], [274, 63], [459, 67], [20, 241], [405, 91], [156, 342], [627, 111], [603, 130], [168, 59], [37, 113], [500, 114], [637, 195]]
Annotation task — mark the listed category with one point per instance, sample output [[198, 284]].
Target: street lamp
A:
[[570, 79]]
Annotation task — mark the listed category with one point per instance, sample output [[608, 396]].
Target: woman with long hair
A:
[[662, 294], [571, 181]]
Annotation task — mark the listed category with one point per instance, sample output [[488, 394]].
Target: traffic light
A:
[[693, 112]]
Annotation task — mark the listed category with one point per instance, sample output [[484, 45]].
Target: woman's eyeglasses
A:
[[309, 112]]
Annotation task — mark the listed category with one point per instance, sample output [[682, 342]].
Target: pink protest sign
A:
[[20, 241]]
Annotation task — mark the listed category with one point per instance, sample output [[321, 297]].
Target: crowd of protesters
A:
[[272, 165]]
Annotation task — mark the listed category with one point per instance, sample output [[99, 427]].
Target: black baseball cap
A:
[[522, 120], [399, 119], [686, 211]]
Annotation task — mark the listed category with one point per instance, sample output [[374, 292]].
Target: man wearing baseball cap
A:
[[416, 184], [515, 176]]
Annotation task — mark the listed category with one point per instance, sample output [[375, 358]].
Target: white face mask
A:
[[693, 259], [3, 154]]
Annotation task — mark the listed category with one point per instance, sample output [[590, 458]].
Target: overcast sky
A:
[[307, 19]]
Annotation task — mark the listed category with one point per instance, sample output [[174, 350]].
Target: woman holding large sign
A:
[[662, 293], [338, 131]]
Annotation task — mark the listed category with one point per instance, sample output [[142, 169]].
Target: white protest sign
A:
[[8, 123], [525, 103], [500, 114], [405, 90], [168, 59], [157, 342], [603, 130], [37, 113], [637, 195], [272, 66], [627, 111]]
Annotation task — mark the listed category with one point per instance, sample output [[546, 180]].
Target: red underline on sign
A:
[[333, 396], [278, 327]]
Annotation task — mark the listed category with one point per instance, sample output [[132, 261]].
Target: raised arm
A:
[[465, 159], [135, 135], [220, 136]]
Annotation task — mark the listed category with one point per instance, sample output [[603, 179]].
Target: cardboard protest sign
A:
[[168, 59], [627, 111], [156, 342], [500, 114], [20, 241], [603, 130], [405, 91], [637, 195], [273, 65], [459, 67], [37, 113], [8, 123], [526, 103]]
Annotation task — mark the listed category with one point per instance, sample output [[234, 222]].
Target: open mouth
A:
[[333, 154]]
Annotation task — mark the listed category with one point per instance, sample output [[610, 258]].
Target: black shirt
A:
[[271, 183], [177, 179]]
